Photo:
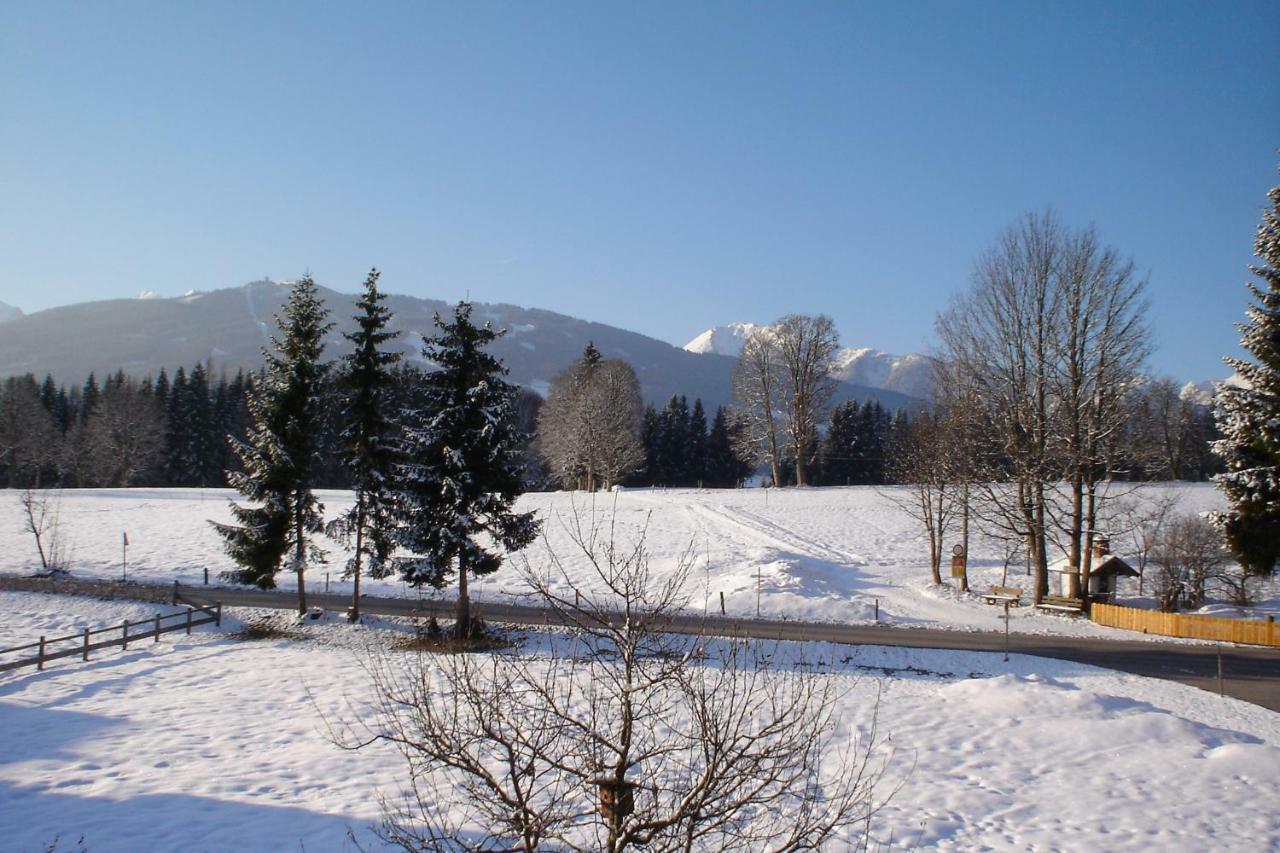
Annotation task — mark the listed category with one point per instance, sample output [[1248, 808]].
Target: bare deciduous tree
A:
[[28, 437], [41, 519], [124, 435], [757, 388], [622, 736], [1188, 555], [1049, 339], [589, 426], [918, 460], [783, 385], [1144, 516], [805, 346]]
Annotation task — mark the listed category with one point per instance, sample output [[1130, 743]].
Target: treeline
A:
[[681, 449], [178, 430], [174, 429]]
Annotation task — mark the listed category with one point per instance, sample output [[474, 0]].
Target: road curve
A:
[[1248, 673]]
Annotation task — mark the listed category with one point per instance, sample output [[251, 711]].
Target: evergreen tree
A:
[[279, 454], [368, 442], [1249, 415], [724, 468], [840, 447], [460, 475], [177, 425], [650, 433], [673, 442], [88, 399], [696, 448], [162, 390], [48, 393]]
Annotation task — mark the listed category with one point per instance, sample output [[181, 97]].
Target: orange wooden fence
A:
[[1259, 632]]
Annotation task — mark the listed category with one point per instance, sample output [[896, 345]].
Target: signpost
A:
[[124, 556], [957, 561]]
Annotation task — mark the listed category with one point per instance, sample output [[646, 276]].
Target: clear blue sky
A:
[[661, 167]]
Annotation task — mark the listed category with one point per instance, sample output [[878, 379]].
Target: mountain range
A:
[[229, 327], [910, 375]]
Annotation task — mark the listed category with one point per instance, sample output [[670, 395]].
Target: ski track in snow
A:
[[827, 554]]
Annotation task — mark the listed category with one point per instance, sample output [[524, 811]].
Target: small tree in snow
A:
[[280, 453], [1249, 416], [368, 440], [460, 469], [1188, 555]]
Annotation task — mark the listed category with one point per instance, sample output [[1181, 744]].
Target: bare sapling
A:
[[41, 520], [611, 734]]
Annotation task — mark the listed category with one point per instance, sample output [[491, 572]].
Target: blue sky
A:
[[661, 167]]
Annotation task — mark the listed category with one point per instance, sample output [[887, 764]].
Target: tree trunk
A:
[[1038, 542], [462, 609], [355, 590], [299, 561], [964, 536]]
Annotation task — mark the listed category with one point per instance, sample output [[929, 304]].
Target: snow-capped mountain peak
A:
[[723, 340], [910, 374]]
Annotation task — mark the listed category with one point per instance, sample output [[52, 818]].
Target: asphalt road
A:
[[1248, 673]]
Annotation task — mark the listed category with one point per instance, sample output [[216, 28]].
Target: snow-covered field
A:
[[213, 743], [821, 554]]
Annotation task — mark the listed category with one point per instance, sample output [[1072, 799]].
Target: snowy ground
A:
[[212, 743], [820, 554]]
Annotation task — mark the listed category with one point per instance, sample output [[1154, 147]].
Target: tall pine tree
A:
[[1249, 415], [279, 454], [460, 472], [367, 442]]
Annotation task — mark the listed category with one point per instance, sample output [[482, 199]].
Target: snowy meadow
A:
[[823, 554], [220, 741]]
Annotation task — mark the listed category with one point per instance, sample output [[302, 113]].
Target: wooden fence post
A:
[[722, 602], [157, 627], [124, 630], [188, 621], [217, 617], [175, 592], [40, 654], [86, 642], [1271, 630]]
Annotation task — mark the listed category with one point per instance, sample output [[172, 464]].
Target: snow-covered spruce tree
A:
[[1249, 415], [279, 455], [368, 442], [460, 468]]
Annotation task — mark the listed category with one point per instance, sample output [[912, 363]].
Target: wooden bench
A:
[[1061, 604], [1003, 594]]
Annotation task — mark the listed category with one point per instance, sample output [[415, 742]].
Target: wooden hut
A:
[[1104, 570]]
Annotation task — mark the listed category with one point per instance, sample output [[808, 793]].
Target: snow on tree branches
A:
[[459, 472], [1249, 415], [280, 455]]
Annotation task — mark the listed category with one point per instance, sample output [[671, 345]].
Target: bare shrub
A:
[[41, 519], [622, 735], [1189, 553]]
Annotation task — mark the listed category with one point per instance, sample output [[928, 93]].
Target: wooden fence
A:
[[1259, 632], [79, 645]]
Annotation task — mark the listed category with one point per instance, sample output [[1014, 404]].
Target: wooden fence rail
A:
[[122, 635], [1259, 632]]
